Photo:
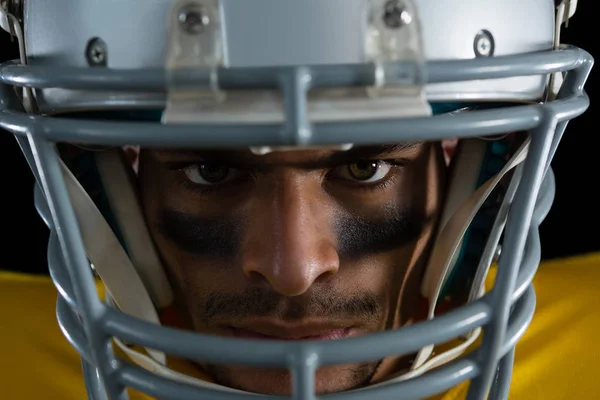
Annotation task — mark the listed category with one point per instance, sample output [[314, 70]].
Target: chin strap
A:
[[564, 11], [118, 182], [109, 260]]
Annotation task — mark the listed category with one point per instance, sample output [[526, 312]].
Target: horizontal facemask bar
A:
[[325, 76], [297, 129]]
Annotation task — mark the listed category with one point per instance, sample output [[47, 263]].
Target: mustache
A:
[[257, 302], [356, 237]]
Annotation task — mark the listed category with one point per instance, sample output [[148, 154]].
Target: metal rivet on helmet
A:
[[484, 45], [396, 15], [193, 19], [96, 52]]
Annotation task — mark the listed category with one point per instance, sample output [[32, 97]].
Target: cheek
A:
[[195, 278], [381, 274], [198, 272], [199, 278], [192, 275]]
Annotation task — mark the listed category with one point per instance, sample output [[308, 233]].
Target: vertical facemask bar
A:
[[303, 375], [501, 386], [572, 86], [533, 245], [93, 383], [70, 323], [517, 229], [297, 127], [94, 387], [67, 229]]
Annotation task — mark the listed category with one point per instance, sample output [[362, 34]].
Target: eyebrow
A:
[[246, 160]]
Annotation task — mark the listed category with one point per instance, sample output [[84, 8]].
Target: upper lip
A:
[[291, 331]]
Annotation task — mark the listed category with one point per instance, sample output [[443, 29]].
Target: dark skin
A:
[[277, 243]]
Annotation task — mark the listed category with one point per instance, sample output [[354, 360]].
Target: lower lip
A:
[[331, 335]]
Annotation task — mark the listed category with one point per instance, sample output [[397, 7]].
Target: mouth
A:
[[266, 332]]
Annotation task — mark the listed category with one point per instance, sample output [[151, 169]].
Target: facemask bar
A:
[[546, 122]]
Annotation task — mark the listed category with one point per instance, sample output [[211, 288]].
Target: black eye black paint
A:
[[216, 237], [356, 237]]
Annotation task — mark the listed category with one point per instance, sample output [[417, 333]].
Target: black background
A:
[[569, 229]]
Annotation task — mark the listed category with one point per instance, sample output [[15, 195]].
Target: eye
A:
[[209, 174], [367, 171]]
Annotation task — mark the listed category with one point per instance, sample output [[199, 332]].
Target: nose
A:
[[291, 248]]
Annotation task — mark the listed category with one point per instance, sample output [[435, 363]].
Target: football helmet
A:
[[278, 75]]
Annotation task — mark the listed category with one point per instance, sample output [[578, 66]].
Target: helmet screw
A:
[[96, 52], [483, 45], [193, 19], [395, 15]]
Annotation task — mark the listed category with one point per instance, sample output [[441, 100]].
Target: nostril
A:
[[325, 276], [256, 278]]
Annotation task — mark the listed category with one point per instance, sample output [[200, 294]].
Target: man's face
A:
[[311, 244]]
